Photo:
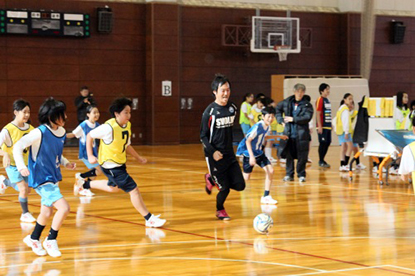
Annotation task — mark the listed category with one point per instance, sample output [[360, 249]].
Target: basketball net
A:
[[281, 51]]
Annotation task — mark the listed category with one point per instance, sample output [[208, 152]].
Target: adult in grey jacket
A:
[[295, 112]]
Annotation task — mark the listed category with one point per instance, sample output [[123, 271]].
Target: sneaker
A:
[[155, 221], [86, 192], [209, 184], [309, 160], [343, 169], [268, 200], [360, 166], [27, 217], [35, 245], [79, 181], [3, 186], [323, 165], [393, 171], [301, 179], [272, 160], [222, 215], [283, 160], [52, 248], [27, 227], [288, 178]]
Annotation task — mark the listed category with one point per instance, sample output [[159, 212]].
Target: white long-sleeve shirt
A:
[[345, 120], [33, 139]]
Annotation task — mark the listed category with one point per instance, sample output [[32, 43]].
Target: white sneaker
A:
[[35, 245], [283, 160], [79, 181], [27, 217], [155, 221], [393, 171], [3, 186], [343, 169], [272, 160], [52, 248], [360, 166], [309, 160], [268, 200], [86, 192]]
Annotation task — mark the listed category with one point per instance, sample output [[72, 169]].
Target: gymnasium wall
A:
[[110, 65], [155, 42]]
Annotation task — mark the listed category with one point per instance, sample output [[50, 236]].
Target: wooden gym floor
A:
[[326, 226]]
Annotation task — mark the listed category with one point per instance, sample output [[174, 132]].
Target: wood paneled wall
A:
[[111, 65], [155, 42]]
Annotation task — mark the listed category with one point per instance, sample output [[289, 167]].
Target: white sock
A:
[[268, 152]]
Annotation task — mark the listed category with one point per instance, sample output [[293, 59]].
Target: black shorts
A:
[[325, 137], [261, 160], [226, 173], [118, 177]]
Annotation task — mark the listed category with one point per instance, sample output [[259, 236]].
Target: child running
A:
[[45, 158], [9, 136], [80, 132], [115, 144], [251, 148]]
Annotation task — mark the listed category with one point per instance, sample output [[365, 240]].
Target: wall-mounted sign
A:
[[166, 88]]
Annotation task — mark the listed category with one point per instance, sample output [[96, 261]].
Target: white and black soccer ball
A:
[[263, 223]]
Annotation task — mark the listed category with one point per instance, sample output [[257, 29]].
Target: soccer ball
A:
[[262, 223]]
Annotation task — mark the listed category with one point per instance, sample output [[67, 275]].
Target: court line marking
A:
[[401, 267], [199, 259], [338, 270], [20, 265]]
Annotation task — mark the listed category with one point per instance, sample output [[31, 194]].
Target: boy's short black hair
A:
[[84, 88], [218, 81], [268, 110], [118, 105], [323, 87], [51, 111]]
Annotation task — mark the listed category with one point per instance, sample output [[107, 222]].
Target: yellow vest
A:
[[339, 124], [242, 118], [405, 113], [16, 134], [257, 115], [115, 150]]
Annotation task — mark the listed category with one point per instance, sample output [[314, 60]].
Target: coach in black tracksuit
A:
[[216, 137], [297, 114]]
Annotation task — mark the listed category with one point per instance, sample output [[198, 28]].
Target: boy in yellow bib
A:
[[115, 144]]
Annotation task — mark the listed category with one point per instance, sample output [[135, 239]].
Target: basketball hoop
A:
[[282, 51]]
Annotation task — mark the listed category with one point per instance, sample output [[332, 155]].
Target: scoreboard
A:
[[44, 23]]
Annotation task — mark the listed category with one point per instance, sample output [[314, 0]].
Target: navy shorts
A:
[[261, 160], [325, 136], [118, 177]]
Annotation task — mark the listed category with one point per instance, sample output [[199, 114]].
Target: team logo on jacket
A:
[[231, 109]]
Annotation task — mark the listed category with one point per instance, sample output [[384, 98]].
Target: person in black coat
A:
[[82, 102], [295, 112]]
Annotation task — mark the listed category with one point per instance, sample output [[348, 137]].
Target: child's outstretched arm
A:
[[32, 139], [89, 149], [131, 151]]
